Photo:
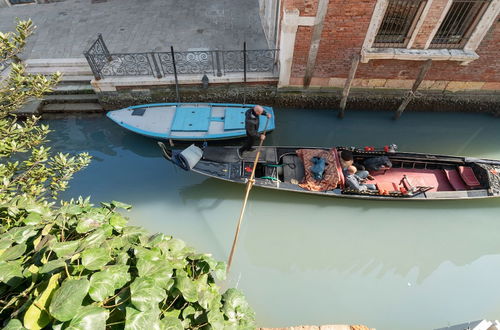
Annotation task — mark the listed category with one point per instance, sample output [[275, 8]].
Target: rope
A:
[[250, 184]]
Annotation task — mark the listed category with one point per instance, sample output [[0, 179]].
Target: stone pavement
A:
[[66, 29]]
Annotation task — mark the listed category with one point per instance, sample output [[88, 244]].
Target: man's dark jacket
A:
[[252, 123]]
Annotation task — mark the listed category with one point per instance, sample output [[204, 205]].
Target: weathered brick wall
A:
[[344, 31]]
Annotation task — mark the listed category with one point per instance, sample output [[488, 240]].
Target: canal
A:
[[318, 260]]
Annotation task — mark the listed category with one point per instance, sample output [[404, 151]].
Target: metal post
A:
[[411, 94], [175, 74], [218, 64], [348, 82], [244, 71], [155, 65]]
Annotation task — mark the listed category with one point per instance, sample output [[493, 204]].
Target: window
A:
[[459, 23], [398, 24]]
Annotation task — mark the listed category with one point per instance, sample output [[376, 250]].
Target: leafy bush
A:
[[88, 270]]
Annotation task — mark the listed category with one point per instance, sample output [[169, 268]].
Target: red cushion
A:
[[468, 176]]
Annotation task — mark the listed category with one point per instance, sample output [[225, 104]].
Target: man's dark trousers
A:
[[249, 142]]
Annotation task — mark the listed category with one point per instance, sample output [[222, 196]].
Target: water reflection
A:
[[390, 265]]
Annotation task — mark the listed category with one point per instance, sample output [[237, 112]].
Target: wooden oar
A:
[[249, 186]]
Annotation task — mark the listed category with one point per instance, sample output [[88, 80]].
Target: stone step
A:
[[73, 89], [70, 98], [72, 107], [31, 108], [71, 78], [56, 62], [67, 71]]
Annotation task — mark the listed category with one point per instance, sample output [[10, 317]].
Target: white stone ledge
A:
[[418, 54], [110, 84]]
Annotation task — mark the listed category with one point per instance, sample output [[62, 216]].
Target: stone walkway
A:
[[66, 29]]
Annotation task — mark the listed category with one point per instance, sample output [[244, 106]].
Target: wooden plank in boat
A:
[[234, 118], [188, 119]]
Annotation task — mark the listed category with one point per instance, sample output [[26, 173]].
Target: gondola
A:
[[188, 121], [413, 176]]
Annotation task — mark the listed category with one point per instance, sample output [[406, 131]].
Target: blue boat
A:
[[188, 121]]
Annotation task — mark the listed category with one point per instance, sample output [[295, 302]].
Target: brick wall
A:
[[344, 31]]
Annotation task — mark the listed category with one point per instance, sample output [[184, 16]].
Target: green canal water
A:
[[319, 260]]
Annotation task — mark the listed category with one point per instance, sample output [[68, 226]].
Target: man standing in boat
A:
[[252, 128]]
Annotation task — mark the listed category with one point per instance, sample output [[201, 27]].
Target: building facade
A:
[[318, 40]]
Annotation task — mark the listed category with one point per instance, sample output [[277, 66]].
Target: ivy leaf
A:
[[146, 294], [104, 283], [21, 234], [11, 272], [32, 218], [95, 258], [65, 249], [221, 271], [121, 205], [89, 222], [216, 319], [117, 221], [187, 287], [172, 323], [14, 324], [37, 317], [97, 237], [71, 209], [13, 252], [5, 243], [158, 269], [53, 266], [132, 234], [89, 317], [137, 320], [68, 299], [237, 310]]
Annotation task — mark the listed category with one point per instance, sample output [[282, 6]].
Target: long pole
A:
[[175, 74], [249, 186], [421, 75], [244, 71]]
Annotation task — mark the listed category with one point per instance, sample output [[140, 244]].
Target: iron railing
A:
[[160, 64], [459, 23], [398, 23]]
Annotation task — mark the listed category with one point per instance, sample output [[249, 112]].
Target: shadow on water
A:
[[357, 236]]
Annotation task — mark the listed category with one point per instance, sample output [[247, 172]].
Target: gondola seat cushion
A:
[[330, 178], [468, 176]]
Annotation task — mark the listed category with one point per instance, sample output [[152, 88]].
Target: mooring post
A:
[[175, 74], [244, 71], [348, 82], [411, 94]]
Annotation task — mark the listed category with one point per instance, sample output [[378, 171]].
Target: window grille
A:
[[398, 23], [459, 23]]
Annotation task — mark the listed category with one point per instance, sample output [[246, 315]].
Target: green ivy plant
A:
[[88, 270]]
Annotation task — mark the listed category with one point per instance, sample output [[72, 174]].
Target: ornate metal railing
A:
[[160, 64]]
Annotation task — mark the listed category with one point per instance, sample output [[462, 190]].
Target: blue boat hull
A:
[[188, 121]]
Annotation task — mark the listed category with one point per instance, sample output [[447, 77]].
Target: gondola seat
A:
[[293, 168], [455, 179], [469, 177]]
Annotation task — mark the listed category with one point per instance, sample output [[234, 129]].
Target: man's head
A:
[[258, 110], [346, 155], [351, 169]]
